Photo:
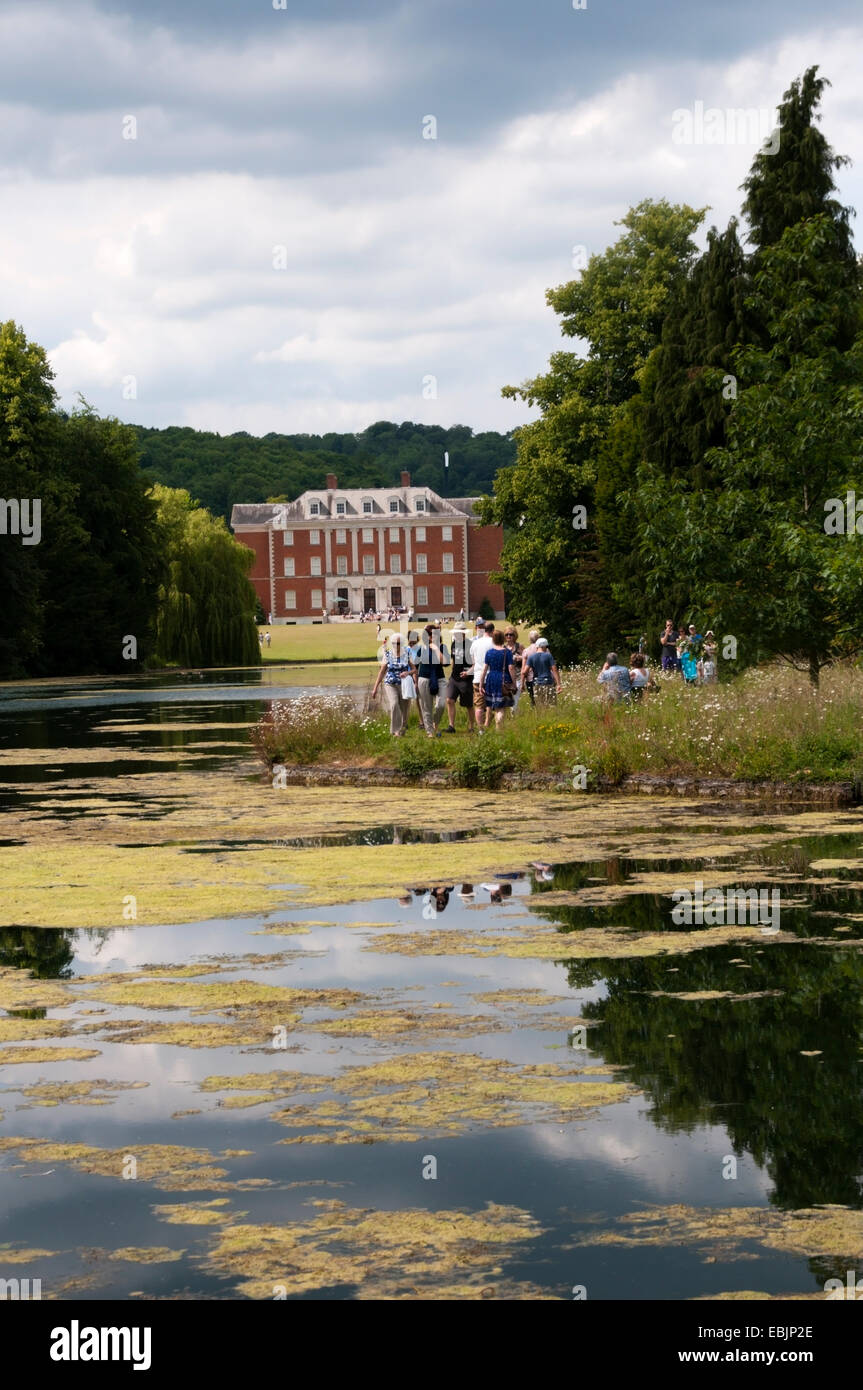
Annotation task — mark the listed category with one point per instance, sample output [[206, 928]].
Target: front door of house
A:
[[370, 601], [396, 596], [342, 599]]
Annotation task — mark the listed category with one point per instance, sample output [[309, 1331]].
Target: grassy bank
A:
[[766, 725]]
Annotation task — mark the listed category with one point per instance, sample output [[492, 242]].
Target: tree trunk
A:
[[814, 671]]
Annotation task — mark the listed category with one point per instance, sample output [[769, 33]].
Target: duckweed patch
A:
[[380, 1254], [19, 990], [21, 1256], [719, 1232], [14, 1056], [378, 1023], [541, 941], [25, 1029], [98, 861], [194, 1035], [196, 1213], [213, 997], [423, 1094], [52, 1093], [144, 1255], [170, 1167]]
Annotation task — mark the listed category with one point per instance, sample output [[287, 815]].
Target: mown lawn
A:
[[328, 641]]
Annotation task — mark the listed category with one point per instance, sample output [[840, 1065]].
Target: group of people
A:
[[391, 615], [485, 675], [687, 651], [684, 650]]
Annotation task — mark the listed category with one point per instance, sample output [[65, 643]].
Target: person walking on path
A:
[[479, 647], [413, 650], [397, 673], [615, 678], [513, 645], [498, 685], [459, 688], [543, 667], [527, 671], [432, 658]]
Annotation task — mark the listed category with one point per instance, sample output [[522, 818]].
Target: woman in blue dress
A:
[[498, 674]]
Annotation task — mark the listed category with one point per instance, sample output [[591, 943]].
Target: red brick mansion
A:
[[351, 550]]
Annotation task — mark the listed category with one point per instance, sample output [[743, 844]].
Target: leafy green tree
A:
[[687, 387], [796, 182], [101, 575], [680, 503], [206, 614], [26, 433], [761, 564], [687, 391], [553, 567]]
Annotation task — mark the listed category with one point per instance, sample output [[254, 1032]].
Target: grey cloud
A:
[[234, 86]]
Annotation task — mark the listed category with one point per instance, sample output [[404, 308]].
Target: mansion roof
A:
[[361, 504]]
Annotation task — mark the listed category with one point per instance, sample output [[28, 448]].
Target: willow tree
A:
[[206, 613]]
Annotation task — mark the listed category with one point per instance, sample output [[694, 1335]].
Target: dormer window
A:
[[341, 508], [394, 504], [314, 509], [368, 506], [420, 504]]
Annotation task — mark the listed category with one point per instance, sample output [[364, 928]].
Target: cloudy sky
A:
[[224, 214]]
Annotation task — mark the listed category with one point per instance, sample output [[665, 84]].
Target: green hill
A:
[[219, 470]]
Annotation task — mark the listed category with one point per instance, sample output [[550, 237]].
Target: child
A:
[[708, 661]]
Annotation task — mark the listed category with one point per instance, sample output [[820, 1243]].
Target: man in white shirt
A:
[[478, 648]]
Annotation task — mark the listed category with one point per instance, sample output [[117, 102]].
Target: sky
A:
[[301, 216]]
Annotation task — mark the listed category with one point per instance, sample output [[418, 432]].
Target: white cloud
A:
[[426, 258]]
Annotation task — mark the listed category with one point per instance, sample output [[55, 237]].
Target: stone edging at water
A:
[[639, 783]]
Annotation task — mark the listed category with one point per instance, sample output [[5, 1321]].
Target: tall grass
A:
[[767, 724], [311, 728]]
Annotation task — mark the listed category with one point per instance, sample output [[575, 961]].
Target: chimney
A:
[[406, 478], [332, 482]]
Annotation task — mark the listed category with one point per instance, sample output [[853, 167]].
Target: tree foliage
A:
[[90, 581], [713, 417], [206, 613], [221, 471], [551, 565]]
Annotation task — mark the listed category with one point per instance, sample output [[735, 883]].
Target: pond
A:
[[261, 1043]]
